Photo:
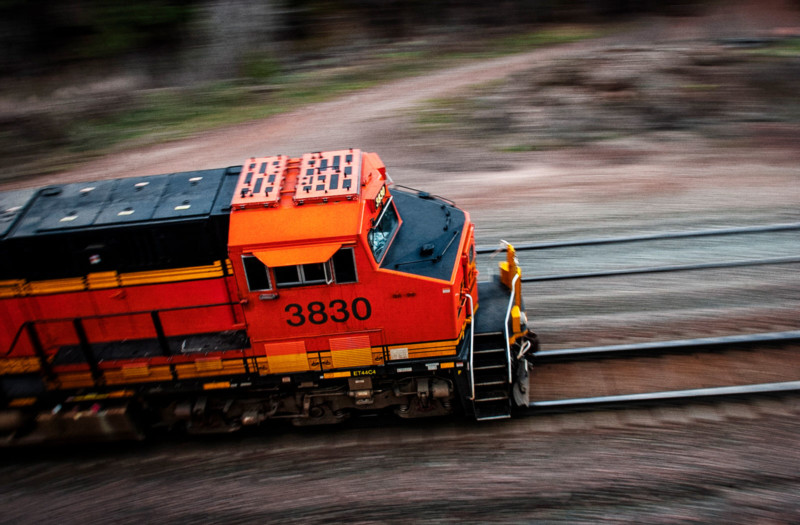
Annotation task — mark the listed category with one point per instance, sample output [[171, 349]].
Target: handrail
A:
[[471, 344], [508, 318], [16, 338], [71, 320], [137, 312], [425, 194]]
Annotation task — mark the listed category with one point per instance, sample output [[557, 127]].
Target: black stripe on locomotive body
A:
[[127, 225]]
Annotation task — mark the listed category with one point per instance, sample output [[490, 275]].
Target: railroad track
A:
[[665, 372], [663, 285], [777, 243]]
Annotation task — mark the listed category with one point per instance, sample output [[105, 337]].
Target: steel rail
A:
[[668, 395], [664, 269], [633, 349], [647, 237]]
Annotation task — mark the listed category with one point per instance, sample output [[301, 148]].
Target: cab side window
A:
[[341, 268], [256, 273], [344, 266], [315, 273]]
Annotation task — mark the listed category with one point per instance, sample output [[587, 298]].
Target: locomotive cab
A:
[[341, 276]]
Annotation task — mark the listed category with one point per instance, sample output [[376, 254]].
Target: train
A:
[[305, 289]]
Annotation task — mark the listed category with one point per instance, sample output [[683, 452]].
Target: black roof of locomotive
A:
[[194, 195], [140, 223], [12, 205]]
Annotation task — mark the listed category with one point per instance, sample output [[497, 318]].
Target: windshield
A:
[[380, 234]]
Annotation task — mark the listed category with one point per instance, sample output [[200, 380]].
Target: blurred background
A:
[[547, 120], [80, 77]]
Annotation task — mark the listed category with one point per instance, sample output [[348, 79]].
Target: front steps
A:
[[491, 377]]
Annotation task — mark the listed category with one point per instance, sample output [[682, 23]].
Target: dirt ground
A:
[[665, 466], [737, 171]]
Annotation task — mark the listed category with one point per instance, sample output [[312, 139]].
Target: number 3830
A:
[[338, 311]]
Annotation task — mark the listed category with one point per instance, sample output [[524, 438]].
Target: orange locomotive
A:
[[305, 288]]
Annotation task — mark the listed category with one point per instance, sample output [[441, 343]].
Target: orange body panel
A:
[[120, 314], [384, 307]]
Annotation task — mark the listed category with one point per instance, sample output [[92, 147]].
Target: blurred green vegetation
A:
[[788, 47], [548, 36]]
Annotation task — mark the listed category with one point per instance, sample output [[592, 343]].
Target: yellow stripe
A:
[[134, 372], [73, 284], [208, 365], [213, 367], [105, 280], [334, 375], [22, 402], [219, 384], [139, 374], [417, 354], [263, 366], [422, 352], [352, 357], [19, 365], [430, 349], [429, 345], [12, 288], [121, 393], [73, 380], [172, 275], [102, 280], [282, 364]]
